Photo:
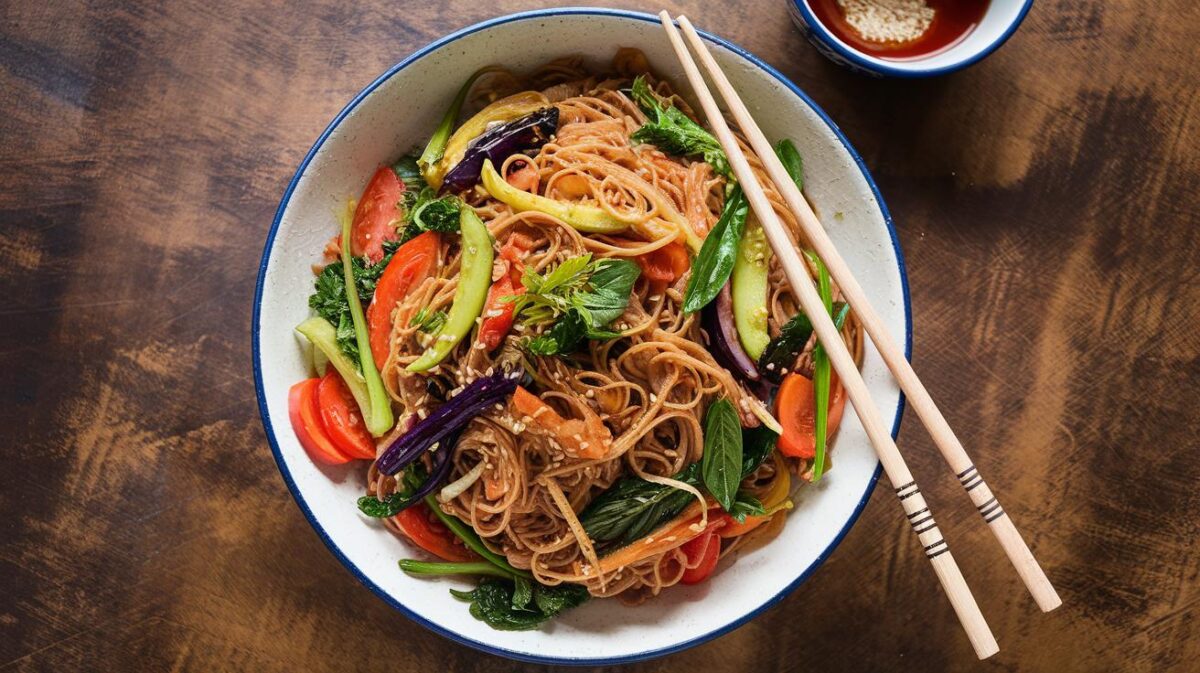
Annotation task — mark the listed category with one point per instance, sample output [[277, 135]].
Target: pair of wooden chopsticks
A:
[[915, 508]]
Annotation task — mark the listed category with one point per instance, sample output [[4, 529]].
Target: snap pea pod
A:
[[474, 280]]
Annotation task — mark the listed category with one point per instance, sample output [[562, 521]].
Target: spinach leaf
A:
[[714, 263], [522, 593], [723, 451], [669, 129], [782, 351], [746, 505], [633, 507], [758, 443], [495, 602], [789, 156], [409, 173]]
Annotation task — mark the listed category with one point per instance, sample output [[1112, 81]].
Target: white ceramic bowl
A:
[[396, 113], [999, 22]]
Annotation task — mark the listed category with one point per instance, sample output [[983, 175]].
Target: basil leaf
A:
[[746, 505], [611, 286], [714, 263], [792, 163], [722, 461]]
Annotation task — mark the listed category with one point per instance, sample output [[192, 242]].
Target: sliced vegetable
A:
[[587, 438], [821, 372], [431, 535], [503, 110], [410, 265], [499, 308], [665, 265], [718, 321], [342, 421], [795, 407], [588, 219], [439, 430], [721, 463], [306, 423], [459, 486], [702, 553], [436, 148], [526, 134], [379, 417], [750, 287], [718, 255], [669, 129], [674, 533], [473, 282], [376, 216], [331, 302], [789, 156], [415, 567], [324, 337]]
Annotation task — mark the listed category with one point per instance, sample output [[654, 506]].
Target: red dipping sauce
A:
[[953, 20]]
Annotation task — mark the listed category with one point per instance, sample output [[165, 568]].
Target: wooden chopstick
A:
[[919, 399], [915, 508]]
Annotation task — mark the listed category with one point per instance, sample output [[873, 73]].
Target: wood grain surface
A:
[[1046, 201]]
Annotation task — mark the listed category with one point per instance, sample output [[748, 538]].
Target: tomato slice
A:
[[341, 418], [702, 553], [418, 524], [376, 215], [306, 422], [412, 263], [666, 264], [497, 314], [796, 406]]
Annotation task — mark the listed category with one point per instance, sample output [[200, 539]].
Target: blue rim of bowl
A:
[[856, 57], [270, 430]]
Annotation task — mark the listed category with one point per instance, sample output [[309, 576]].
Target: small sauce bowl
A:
[[999, 22]]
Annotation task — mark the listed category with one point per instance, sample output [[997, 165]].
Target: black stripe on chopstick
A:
[[970, 485], [996, 515], [987, 507], [963, 475], [935, 548], [919, 511], [908, 490]]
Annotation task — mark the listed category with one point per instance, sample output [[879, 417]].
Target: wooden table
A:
[[1045, 199]]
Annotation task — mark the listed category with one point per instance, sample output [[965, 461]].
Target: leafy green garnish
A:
[[409, 172], [782, 351], [580, 296], [746, 505], [757, 445], [413, 478], [428, 321], [714, 263], [673, 132], [821, 373], [506, 606], [330, 300], [723, 451], [633, 507], [426, 212], [789, 156]]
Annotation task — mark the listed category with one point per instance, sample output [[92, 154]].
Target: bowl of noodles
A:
[[515, 329]]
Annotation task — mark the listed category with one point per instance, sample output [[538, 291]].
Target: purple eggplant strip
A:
[[717, 320], [440, 430], [520, 135]]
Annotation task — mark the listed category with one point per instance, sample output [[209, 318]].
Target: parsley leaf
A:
[[673, 132], [331, 303], [426, 212], [580, 296]]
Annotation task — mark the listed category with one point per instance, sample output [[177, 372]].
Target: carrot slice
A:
[[588, 438]]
